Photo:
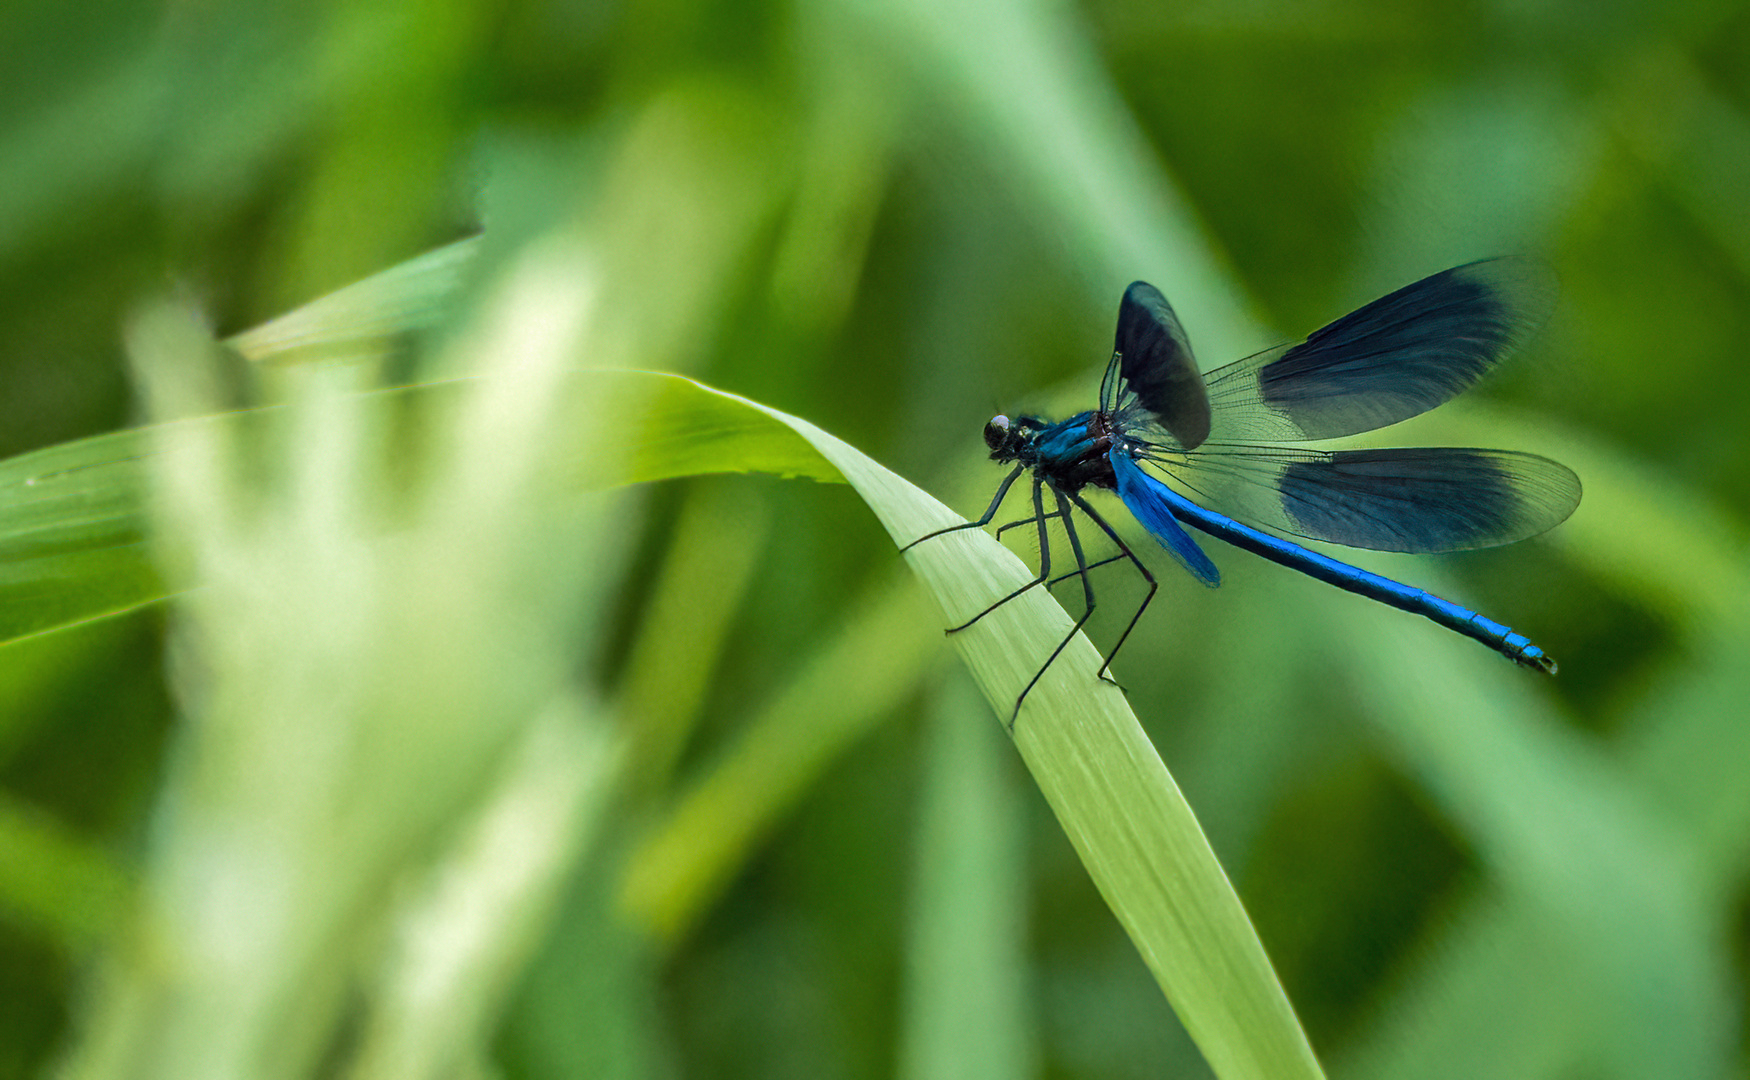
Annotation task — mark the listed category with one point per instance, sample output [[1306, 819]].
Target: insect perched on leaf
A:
[[1161, 420]]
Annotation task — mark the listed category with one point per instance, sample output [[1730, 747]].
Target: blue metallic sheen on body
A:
[[1149, 498], [1072, 453], [1218, 436], [1086, 450]]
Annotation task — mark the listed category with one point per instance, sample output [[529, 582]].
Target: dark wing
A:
[[1153, 356], [1415, 499], [1397, 357]]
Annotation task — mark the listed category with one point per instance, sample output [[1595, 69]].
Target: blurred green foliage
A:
[[893, 219]]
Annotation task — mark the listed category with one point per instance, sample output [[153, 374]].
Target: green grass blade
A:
[[478, 920], [1091, 759], [55, 880], [674, 876], [362, 319], [967, 958], [72, 531], [72, 517], [1114, 798]]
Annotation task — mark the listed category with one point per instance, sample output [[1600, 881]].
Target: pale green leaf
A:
[[1096, 767]]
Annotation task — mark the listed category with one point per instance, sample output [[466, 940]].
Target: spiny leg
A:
[[1044, 559], [1017, 524], [1061, 577], [990, 511], [1091, 566], [1124, 552], [1073, 573], [1075, 546]]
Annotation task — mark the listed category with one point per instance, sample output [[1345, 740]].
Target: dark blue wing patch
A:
[[1158, 367], [1414, 499], [1396, 358], [1427, 499]]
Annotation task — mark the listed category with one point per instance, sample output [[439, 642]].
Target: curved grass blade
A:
[[1108, 787], [72, 530], [1091, 759], [73, 520], [361, 320]]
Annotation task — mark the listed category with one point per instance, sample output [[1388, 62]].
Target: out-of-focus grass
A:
[[1125, 817], [392, 767]]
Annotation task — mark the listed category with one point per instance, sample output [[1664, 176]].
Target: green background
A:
[[818, 857]]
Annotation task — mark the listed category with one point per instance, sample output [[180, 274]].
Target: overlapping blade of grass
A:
[[382, 736], [1127, 819], [1098, 770], [838, 695], [1102, 777], [359, 321], [73, 524], [72, 532]]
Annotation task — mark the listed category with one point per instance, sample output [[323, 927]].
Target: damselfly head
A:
[[996, 433], [1008, 439]]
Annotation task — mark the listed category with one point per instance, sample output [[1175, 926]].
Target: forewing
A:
[[1397, 357], [1414, 499], [1154, 358]]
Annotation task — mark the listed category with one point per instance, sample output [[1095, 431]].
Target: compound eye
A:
[[996, 433]]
